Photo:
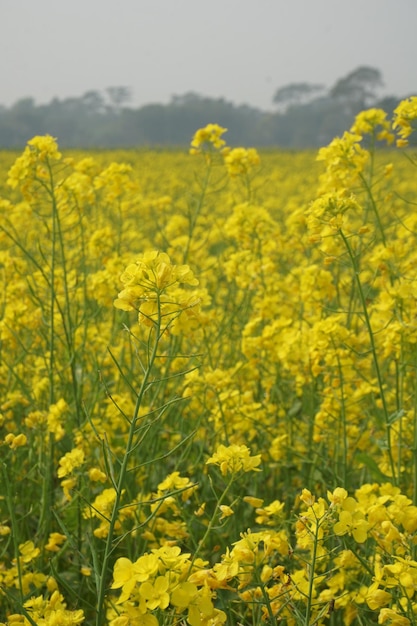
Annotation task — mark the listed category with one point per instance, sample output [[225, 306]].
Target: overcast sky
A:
[[241, 50]]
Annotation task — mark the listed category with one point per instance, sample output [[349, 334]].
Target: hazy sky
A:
[[241, 50]]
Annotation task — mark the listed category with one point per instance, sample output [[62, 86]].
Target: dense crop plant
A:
[[208, 368]]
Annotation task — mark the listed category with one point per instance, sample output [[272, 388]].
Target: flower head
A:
[[209, 136], [233, 459]]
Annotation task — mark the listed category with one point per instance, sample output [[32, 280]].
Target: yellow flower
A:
[[96, 475], [28, 551], [38, 149], [67, 485], [366, 122], [233, 459], [210, 135], [70, 461], [393, 618], [155, 595], [15, 441], [338, 496], [226, 511], [353, 523], [307, 497], [404, 115], [240, 161], [54, 542], [126, 574], [151, 288], [255, 502], [184, 594], [376, 598]]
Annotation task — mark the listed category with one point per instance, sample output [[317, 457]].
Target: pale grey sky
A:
[[241, 50]]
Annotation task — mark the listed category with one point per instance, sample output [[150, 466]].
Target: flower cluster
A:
[[404, 116], [151, 287], [208, 137]]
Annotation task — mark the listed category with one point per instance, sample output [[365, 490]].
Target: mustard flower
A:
[[153, 273], [154, 595], [353, 523], [404, 116], [233, 459], [174, 481], [183, 594], [367, 122], [255, 502], [28, 551], [133, 615], [67, 485], [345, 160], [392, 618], [209, 136], [55, 418], [126, 574], [268, 514], [240, 161], [227, 511], [15, 441], [38, 149], [54, 542], [96, 475], [52, 611], [376, 598], [70, 461]]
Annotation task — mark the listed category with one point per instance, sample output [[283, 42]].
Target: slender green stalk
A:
[[373, 351], [193, 217], [311, 574], [213, 519], [108, 550]]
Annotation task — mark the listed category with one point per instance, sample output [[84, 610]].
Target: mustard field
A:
[[208, 407]]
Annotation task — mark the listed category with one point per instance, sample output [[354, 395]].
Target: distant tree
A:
[[359, 88], [185, 99], [118, 96], [296, 93], [93, 101]]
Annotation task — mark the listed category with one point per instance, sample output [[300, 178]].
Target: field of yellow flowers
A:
[[208, 403]]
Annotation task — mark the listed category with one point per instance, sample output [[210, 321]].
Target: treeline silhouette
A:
[[305, 115]]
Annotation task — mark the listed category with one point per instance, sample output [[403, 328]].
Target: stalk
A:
[[373, 350], [124, 470]]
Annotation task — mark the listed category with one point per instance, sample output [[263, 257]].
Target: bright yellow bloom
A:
[[226, 511], [354, 524], [96, 475], [210, 136], [240, 161], [376, 598], [38, 151], [70, 461], [15, 441], [404, 116], [367, 122], [126, 574], [233, 459], [54, 542], [28, 551], [255, 502], [151, 288], [155, 594], [392, 618]]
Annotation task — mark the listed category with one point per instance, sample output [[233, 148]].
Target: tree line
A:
[[305, 115]]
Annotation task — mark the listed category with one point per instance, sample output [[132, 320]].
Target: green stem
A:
[[194, 217], [103, 576], [373, 350], [311, 576], [213, 519]]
